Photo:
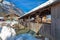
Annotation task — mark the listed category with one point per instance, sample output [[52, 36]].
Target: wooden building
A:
[[11, 16], [47, 14]]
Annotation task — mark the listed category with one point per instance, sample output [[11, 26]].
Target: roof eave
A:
[[40, 7]]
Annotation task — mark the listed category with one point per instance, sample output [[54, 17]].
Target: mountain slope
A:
[[7, 8]]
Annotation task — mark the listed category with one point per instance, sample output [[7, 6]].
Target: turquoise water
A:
[[25, 37]]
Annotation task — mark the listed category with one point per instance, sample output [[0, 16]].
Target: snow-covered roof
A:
[[41, 6], [1, 17]]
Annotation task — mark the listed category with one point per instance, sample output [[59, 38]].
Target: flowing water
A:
[[25, 37]]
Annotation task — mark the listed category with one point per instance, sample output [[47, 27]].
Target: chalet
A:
[[47, 15]]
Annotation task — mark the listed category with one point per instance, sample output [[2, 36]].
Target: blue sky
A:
[[27, 5]]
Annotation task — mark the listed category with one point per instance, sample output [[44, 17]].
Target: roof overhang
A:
[[50, 2]]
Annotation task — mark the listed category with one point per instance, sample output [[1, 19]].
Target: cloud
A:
[[6, 2]]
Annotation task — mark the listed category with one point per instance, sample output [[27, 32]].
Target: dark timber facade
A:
[[50, 26]]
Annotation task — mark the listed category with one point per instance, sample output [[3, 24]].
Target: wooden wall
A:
[[55, 27]]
